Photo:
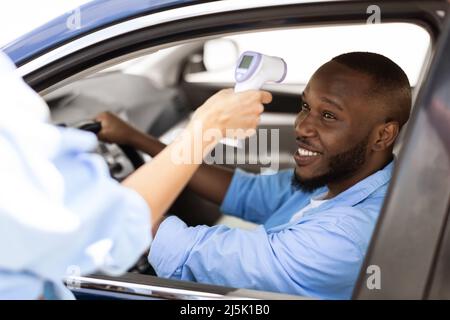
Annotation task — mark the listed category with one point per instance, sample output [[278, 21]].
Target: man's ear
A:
[[386, 134]]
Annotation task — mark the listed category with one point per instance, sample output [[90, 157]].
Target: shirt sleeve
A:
[[315, 259], [255, 197]]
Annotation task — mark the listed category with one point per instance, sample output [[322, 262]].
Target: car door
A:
[[409, 251]]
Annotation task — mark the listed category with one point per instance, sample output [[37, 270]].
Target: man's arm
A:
[[210, 182], [316, 259]]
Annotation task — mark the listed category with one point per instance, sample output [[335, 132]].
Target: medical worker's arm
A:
[[160, 181], [115, 130]]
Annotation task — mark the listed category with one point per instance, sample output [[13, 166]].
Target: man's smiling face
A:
[[333, 127]]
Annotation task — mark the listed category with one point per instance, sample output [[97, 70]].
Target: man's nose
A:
[[305, 125]]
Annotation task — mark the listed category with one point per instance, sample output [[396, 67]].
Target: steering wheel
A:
[[135, 157]]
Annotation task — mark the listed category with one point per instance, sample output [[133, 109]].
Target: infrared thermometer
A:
[[255, 69]]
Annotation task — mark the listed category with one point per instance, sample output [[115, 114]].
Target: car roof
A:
[[93, 15], [99, 14]]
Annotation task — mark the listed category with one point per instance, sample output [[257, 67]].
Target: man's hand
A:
[[115, 130]]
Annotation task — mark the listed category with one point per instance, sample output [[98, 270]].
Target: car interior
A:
[[157, 90]]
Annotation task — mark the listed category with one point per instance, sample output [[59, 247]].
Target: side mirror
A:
[[220, 54]]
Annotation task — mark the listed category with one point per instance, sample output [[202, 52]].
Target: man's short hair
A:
[[390, 83]]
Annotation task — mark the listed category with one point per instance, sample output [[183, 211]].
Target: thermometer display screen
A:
[[246, 61]]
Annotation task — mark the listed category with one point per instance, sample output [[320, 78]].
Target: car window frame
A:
[[81, 56]]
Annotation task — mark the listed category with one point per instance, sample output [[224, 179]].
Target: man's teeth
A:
[[304, 152]]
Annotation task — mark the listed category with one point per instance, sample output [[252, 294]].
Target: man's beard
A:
[[342, 166]]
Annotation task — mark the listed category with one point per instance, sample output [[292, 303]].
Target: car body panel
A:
[[93, 15]]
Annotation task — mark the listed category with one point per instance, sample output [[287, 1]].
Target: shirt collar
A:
[[360, 190], [350, 197]]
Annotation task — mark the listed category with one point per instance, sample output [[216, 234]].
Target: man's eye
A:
[[328, 116]]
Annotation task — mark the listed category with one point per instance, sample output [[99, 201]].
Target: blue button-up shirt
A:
[[61, 214], [319, 255]]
